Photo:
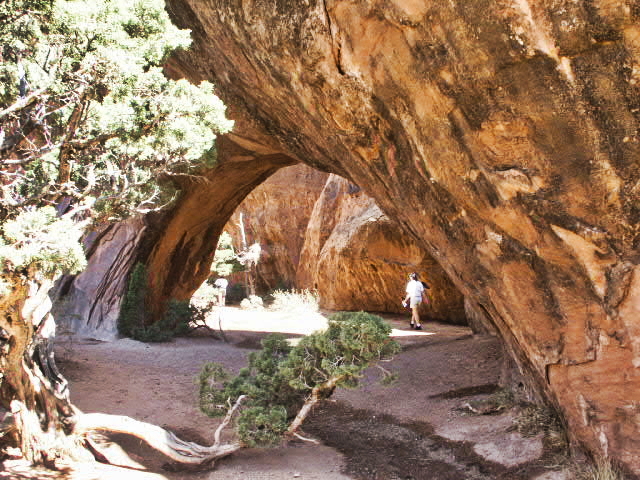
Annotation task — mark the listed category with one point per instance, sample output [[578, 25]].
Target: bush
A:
[[295, 301], [176, 320], [205, 296], [132, 310], [601, 469], [281, 378], [40, 239], [259, 426]]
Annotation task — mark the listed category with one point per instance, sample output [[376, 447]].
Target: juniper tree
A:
[[90, 131], [282, 383], [87, 112]]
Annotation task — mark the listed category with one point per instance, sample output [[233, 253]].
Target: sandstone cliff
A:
[[500, 136], [276, 215], [320, 232]]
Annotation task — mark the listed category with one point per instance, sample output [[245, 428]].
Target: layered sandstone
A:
[[323, 233], [500, 136], [89, 303]]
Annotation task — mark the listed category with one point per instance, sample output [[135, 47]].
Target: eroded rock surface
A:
[[357, 258], [323, 233], [276, 215], [500, 136], [90, 302]]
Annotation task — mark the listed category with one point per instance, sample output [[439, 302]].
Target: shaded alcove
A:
[[321, 232]]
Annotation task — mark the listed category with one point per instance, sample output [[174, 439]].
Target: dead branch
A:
[[305, 439], [22, 103], [160, 439]]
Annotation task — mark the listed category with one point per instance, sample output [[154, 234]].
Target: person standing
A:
[[415, 293], [222, 284]]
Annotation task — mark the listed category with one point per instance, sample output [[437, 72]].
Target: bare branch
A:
[[22, 103], [314, 398], [305, 439], [227, 419], [157, 437]]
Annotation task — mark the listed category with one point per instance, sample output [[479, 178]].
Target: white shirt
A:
[[221, 283], [415, 289]]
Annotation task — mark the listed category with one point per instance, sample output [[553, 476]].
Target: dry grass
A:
[[295, 301], [602, 469]]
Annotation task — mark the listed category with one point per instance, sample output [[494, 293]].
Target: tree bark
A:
[[49, 430], [31, 387], [318, 393]]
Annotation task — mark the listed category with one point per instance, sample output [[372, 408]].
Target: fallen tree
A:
[[282, 383], [271, 397]]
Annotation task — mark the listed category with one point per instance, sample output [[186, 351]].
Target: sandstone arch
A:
[[501, 136], [176, 245]]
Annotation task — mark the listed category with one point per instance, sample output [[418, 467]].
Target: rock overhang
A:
[[501, 136]]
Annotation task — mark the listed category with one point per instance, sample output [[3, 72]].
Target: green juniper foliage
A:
[[132, 309], [225, 261], [281, 377], [40, 241], [89, 122], [131, 321], [88, 111]]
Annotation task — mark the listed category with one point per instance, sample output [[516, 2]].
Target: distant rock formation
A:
[[276, 215], [323, 233], [358, 259]]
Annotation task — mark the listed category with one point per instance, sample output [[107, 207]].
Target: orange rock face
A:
[[501, 137], [322, 233], [275, 215], [357, 259]]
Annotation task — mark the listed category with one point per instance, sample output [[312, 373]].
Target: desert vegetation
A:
[[92, 132]]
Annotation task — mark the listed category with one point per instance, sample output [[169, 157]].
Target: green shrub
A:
[[262, 427], [132, 310], [40, 239], [132, 315], [280, 378]]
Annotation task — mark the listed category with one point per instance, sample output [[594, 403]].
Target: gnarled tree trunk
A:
[[31, 388], [40, 423]]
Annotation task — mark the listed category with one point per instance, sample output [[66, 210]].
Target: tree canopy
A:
[[86, 112]]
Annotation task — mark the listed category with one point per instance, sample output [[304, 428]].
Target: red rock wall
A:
[[357, 258], [500, 136], [275, 215], [321, 232]]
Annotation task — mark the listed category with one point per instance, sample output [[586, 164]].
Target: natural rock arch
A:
[[501, 136], [176, 245]]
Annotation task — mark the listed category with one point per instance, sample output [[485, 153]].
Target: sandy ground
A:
[[412, 429]]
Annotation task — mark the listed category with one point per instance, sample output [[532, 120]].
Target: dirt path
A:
[[412, 429]]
